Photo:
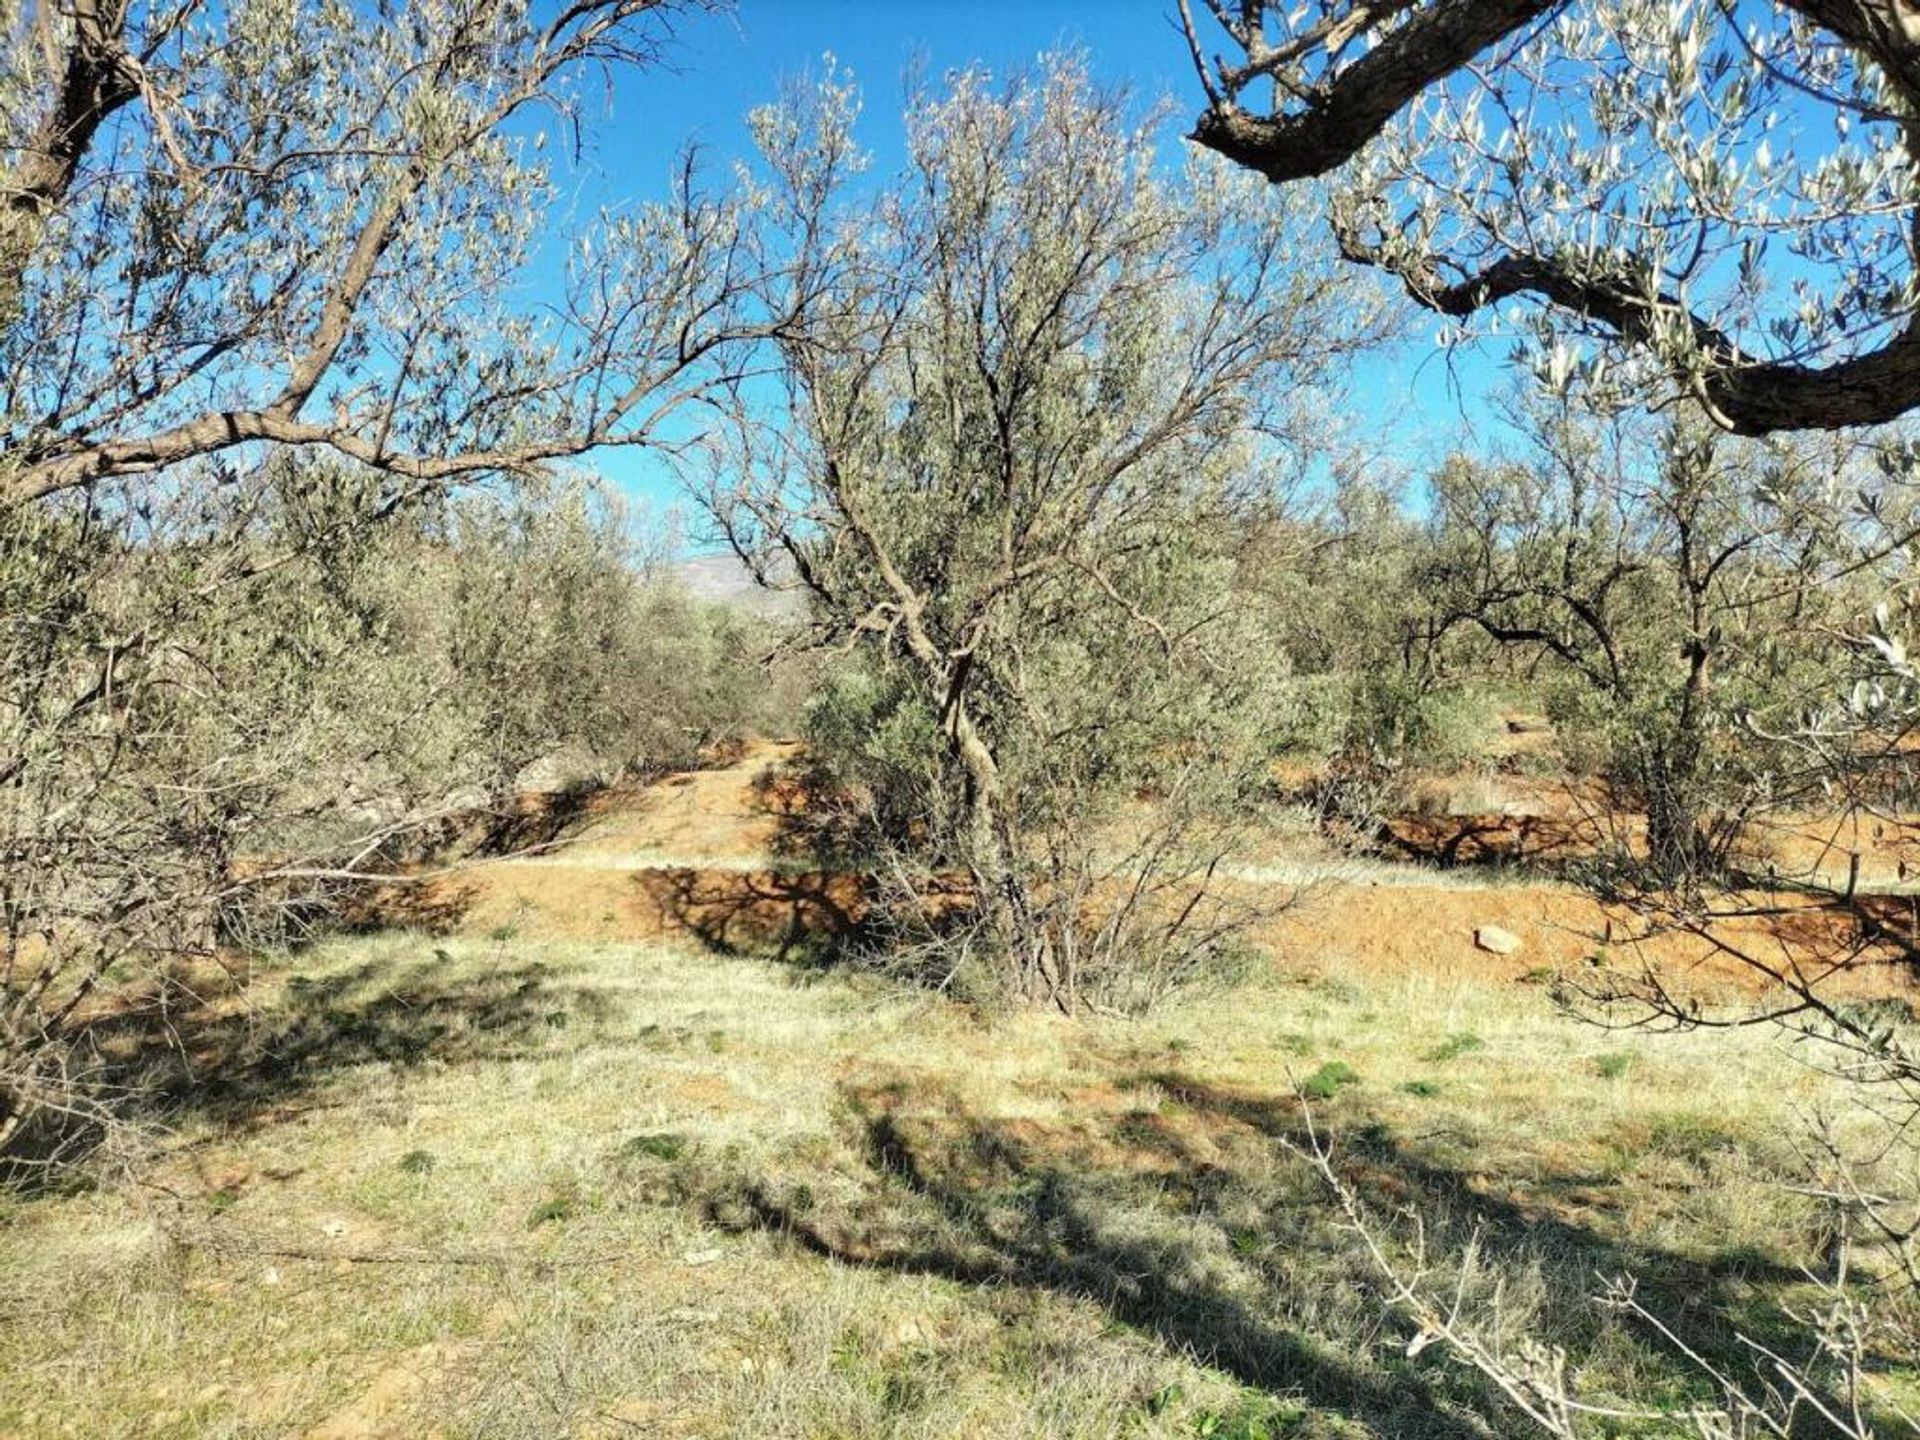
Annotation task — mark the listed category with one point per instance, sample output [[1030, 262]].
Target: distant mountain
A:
[[722, 579]]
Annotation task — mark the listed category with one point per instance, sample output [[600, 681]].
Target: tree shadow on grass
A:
[[222, 1049], [1198, 1227], [1709, 1299]]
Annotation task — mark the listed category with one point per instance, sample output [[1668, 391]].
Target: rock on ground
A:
[[1496, 941]]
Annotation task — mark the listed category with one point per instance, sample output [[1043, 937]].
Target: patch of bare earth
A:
[[708, 855]]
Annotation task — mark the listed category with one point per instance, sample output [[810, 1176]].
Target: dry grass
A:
[[488, 1187]]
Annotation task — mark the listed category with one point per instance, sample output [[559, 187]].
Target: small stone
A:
[[703, 1257], [1495, 941]]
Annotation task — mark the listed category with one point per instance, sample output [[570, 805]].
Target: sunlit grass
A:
[[495, 1188]]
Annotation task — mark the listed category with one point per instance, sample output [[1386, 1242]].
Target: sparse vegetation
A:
[[300, 699], [1138, 910], [1039, 1229]]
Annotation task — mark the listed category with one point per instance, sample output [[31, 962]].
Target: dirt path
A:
[[708, 854]]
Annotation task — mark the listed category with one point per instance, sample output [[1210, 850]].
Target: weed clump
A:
[[1329, 1080], [1454, 1046], [668, 1148], [1253, 1417], [1612, 1065], [562, 1205]]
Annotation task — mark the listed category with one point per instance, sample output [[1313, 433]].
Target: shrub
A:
[[321, 680]]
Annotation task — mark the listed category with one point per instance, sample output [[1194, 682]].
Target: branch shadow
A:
[[1210, 1236], [801, 917], [1704, 1298], [1536, 844], [438, 905], [212, 1048], [436, 908], [521, 822]]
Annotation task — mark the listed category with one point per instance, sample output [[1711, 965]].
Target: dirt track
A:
[[706, 854]]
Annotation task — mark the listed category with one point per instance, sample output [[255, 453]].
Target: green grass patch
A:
[[1329, 1080], [1454, 1046], [655, 1147]]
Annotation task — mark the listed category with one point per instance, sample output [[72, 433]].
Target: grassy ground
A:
[[497, 1187]]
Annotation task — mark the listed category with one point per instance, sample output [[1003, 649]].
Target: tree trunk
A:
[[1002, 891], [1676, 846], [1680, 850], [95, 78]]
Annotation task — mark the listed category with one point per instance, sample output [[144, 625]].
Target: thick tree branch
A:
[[1327, 111], [1341, 114], [97, 77], [1744, 393], [211, 434]]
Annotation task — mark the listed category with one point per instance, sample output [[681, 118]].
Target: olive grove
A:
[[264, 350]]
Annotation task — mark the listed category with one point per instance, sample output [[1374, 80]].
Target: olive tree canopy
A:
[[302, 222], [1724, 195], [267, 300]]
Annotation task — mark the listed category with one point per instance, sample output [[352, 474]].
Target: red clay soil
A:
[[1394, 929], [695, 856], [1545, 821]]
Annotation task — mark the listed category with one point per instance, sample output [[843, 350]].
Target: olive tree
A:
[[1694, 204], [570, 645], [225, 721], [1675, 591], [1711, 199], [236, 242], [304, 225], [308, 703], [1026, 388], [177, 685], [1683, 601]]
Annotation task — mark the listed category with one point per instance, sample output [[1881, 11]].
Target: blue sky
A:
[[727, 63]]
